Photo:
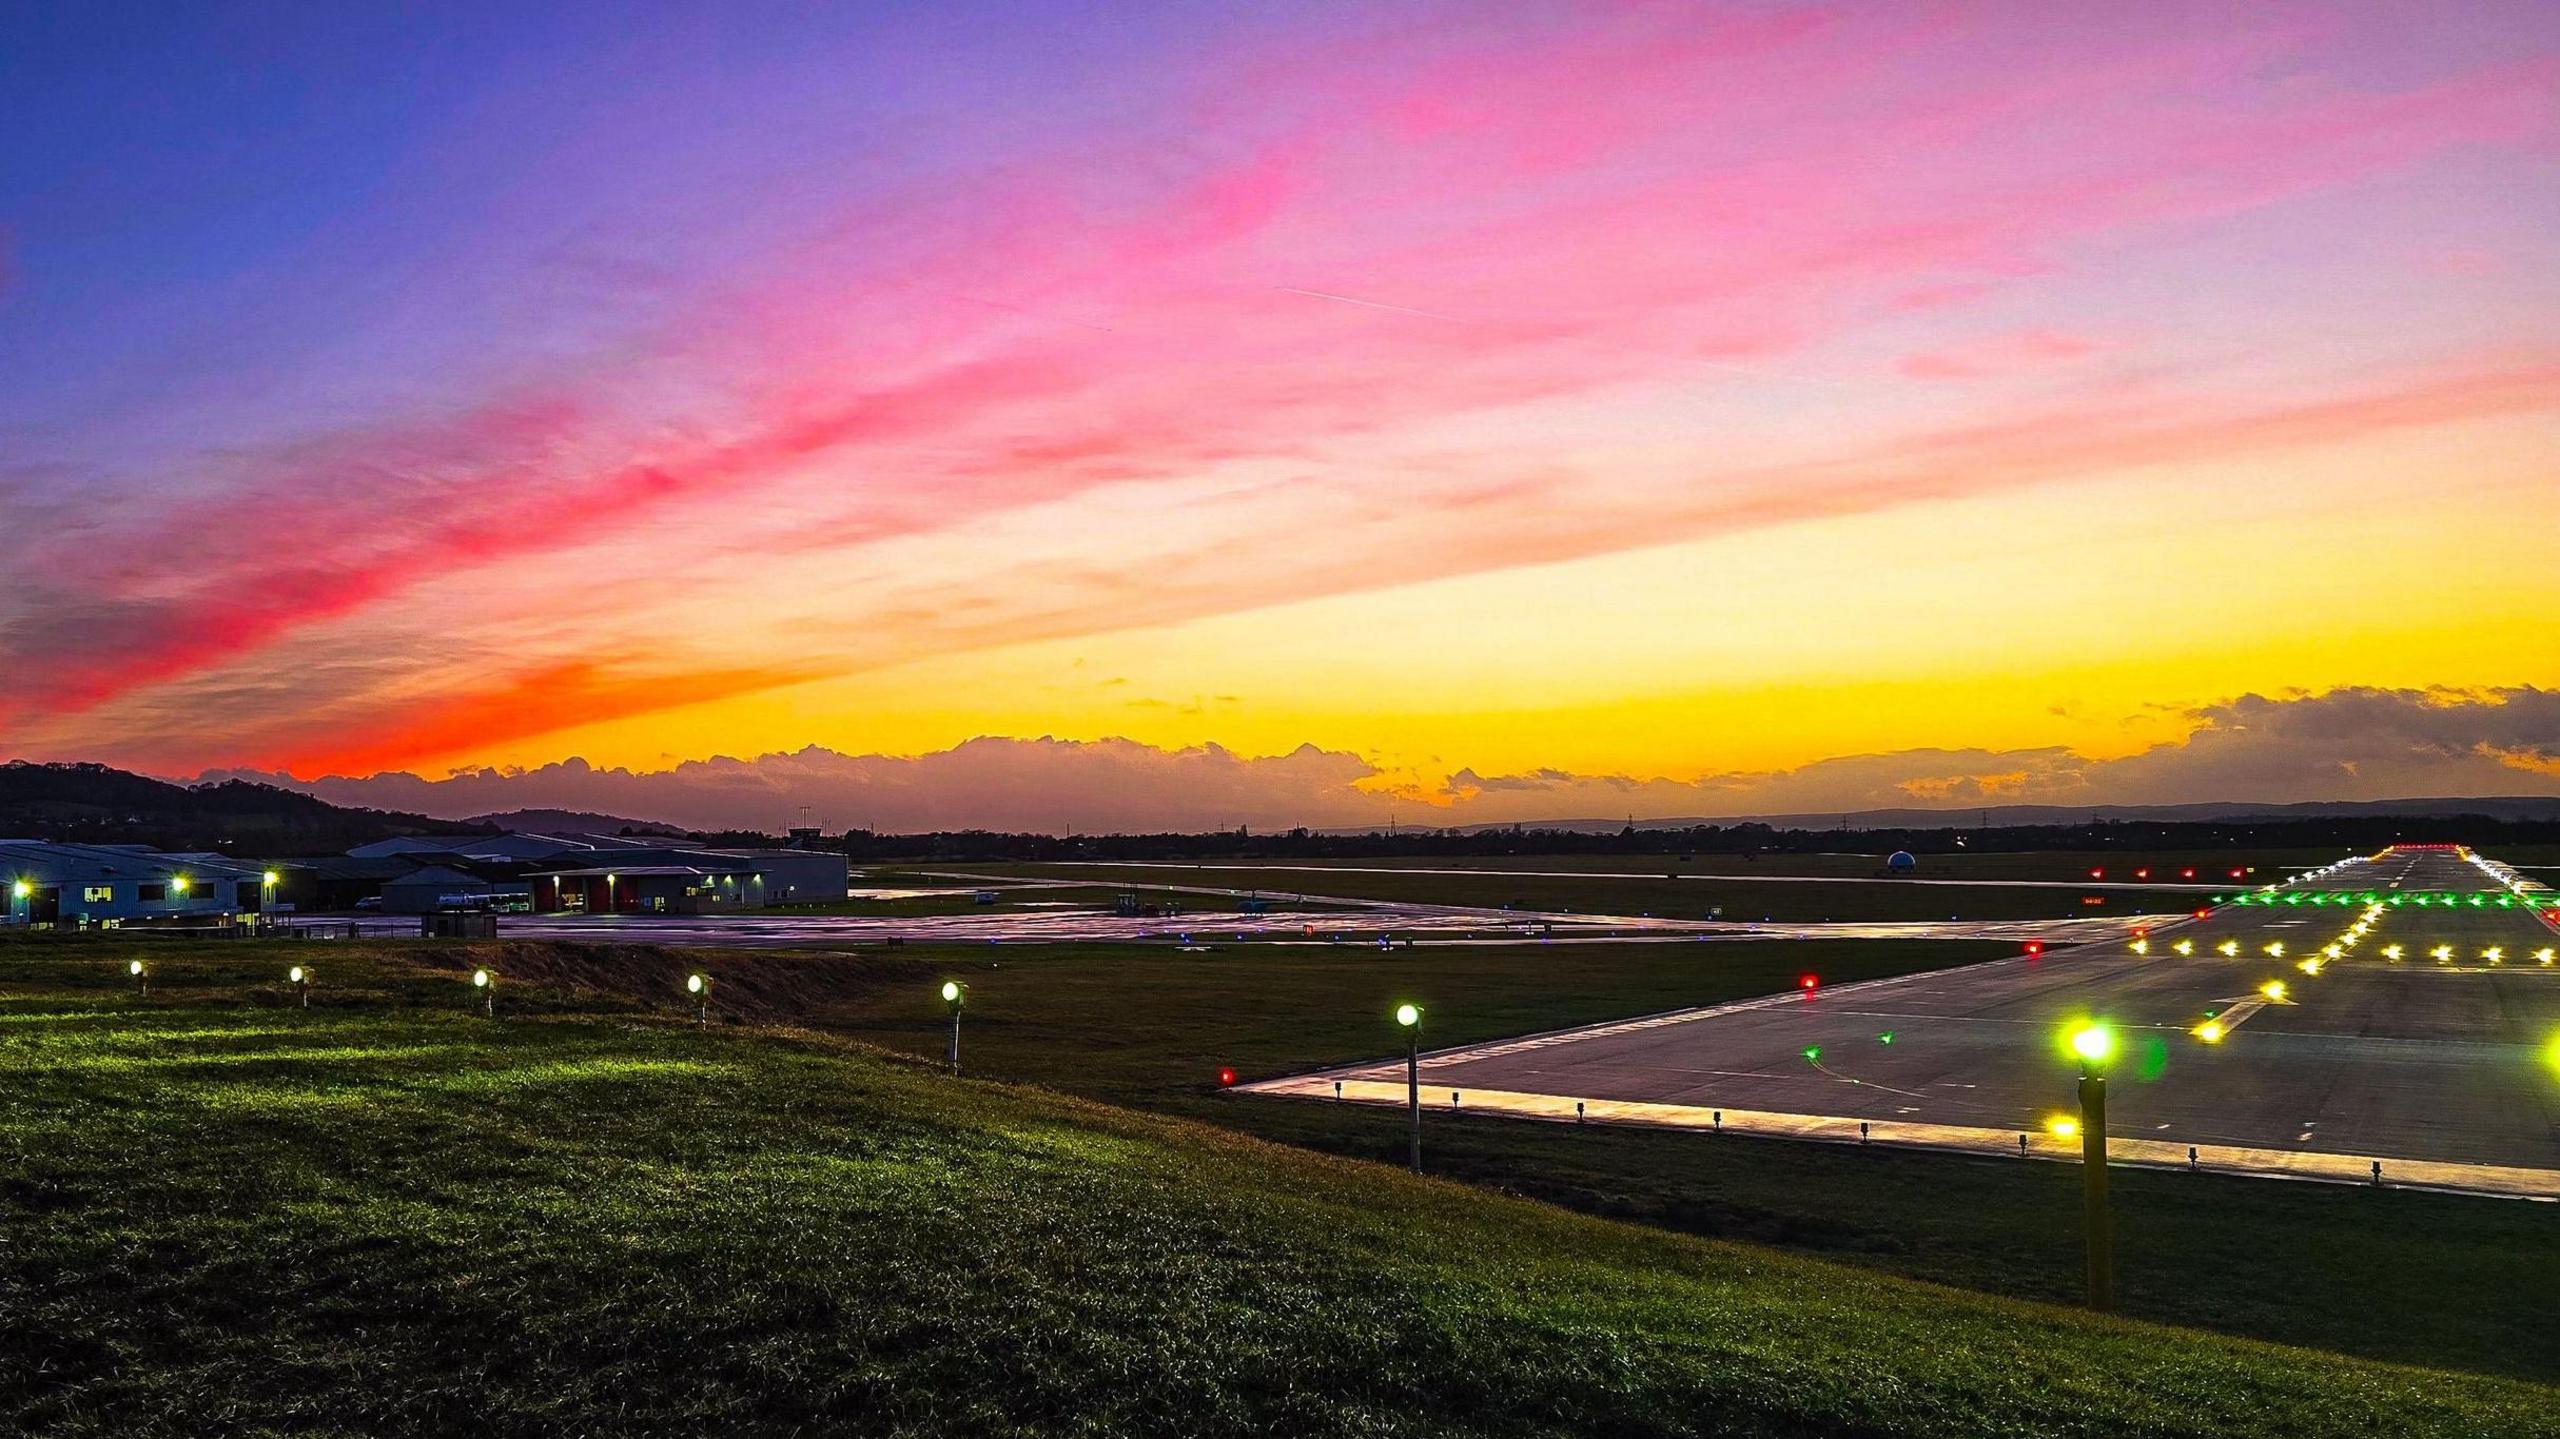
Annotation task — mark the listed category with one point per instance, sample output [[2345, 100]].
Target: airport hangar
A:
[[50, 883]]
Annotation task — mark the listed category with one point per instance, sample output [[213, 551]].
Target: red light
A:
[[2142, 931], [2190, 874], [2097, 874], [1226, 1077], [2142, 874], [2035, 946], [1807, 982], [2235, 874], [2204, 914]]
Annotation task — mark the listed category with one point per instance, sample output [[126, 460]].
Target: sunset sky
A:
[[1487, 410]]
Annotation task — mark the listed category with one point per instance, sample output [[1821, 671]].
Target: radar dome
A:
[[1901, 861]]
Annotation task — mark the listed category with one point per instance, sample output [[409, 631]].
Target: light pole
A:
[[487, 983], [2093, 1043], [952, 990], [699, 986], [1410, 1016], [141, 979], [301, 978]]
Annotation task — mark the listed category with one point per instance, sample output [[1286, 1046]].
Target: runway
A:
[[2421, 1042]]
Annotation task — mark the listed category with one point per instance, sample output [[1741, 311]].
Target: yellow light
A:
[[2309, 966], [273, 879], [2062, 1126], [22, 889], [2333, 951], [178, 884], [2442, 952], [693, 984], [2185, 946], [1408, 1015], [295, 974], [134, 968], [479, 979], [2391, 951], [2273, 989], [2227, 948], [2494, 954], [2543, 954], [2275, 949], [2210, 1032], [2092, 1042], [951, 991], [2141, 946]]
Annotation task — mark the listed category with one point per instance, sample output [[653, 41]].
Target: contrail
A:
[[1371, 304], [1745, 370]]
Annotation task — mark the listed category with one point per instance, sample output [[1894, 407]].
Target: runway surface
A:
[[2424, 1039]]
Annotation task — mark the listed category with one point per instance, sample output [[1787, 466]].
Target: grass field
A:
[[386, 1215], [1655, 891], [2440, 1280]]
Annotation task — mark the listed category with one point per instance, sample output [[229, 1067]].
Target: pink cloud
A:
[[1603, 203]]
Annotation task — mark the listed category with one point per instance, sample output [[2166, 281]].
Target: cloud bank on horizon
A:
[[1675, 391], [2348, 744]]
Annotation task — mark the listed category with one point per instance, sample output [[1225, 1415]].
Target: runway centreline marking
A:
[[2498, 1181]]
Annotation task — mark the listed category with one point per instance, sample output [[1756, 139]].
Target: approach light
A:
[[2494, 954], [2275, 949], [2210, 1031], [2093, 1042], [2543, 955], [2185, 946], [2228, 948], [2309, 966], [2273, 989], [2441, 953], [2140, 946], [951, 991]]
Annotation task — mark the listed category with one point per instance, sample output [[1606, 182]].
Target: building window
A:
[[98, 894], [151, 893]]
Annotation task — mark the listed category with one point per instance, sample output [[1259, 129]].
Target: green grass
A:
[[1651, 892], [385, 1216]]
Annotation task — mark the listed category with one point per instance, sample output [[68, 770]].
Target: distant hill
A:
[[95, 804], [571, 821], [2517, 809]]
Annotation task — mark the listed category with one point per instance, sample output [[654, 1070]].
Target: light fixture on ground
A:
[[952, 993], [699, 986], [486, 981], [1410, 1016], [141, 978], [300, 978], [2093, 1044]]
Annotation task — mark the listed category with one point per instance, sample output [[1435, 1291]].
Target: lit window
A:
[[98, 894]]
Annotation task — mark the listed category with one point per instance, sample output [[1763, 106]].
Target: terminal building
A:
[[113, 884]]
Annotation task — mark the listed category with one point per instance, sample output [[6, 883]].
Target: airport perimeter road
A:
[[2424, 1038]]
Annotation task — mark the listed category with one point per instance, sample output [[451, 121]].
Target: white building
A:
[[48, 883]]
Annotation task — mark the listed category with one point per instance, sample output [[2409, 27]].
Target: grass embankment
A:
[[245, 1218], [1657, 891], [2433, 1279]]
